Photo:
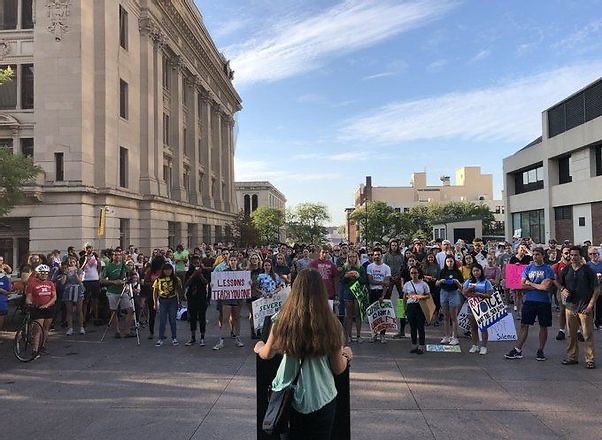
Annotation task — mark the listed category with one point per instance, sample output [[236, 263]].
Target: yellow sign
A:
[[101, 223]]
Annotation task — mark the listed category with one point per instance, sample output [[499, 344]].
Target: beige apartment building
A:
[[553, 186], [128, 107], [253, 195], [470, 185]]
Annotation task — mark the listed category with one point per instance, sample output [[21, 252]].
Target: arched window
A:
[[254, 203], [247, 204]]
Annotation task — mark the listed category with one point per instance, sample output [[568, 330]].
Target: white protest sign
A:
[[267, 307], [503, 330], [440, 348], [463, 321], [381, 316], [487, 311], [230, 285]]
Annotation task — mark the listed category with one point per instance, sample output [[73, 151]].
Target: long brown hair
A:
[[306, 327]]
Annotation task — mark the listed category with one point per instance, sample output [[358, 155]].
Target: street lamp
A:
[[365, 200]]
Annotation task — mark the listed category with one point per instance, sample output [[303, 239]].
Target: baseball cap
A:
[[539, 249]]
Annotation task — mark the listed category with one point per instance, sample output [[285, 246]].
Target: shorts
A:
[[450, 299], [116, 300], [541, 310], [37, 313], [73, 293], [91, 289], [232, 302]]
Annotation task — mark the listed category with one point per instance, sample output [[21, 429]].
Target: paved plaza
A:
[[115, 390]]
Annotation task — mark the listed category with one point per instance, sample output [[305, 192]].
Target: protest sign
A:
[[267, 307], [381, 316], [361, 295], [401, 308], [487, 311], [513, 275], [230, 285], [463, 321], [440, 348], [428, 308], [503, 330]]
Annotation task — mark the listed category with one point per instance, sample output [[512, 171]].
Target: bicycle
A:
[[24, 338]]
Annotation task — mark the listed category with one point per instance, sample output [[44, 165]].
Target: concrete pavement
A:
[[115, 390]]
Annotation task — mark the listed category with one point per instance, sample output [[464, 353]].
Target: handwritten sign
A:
[[488, 311], [381, 316], [440, 348], [463, 320], [267, 307], [230, 285], [361, 296], [513, 275], [503, 330]]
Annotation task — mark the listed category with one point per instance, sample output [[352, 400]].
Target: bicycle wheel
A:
[[23, 345]]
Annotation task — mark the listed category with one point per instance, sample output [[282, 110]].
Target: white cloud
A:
[[584, 37], [436, 66], [480, 56], [232, 26], [510, 112], [378, 75], [299, 45], [246, 170]]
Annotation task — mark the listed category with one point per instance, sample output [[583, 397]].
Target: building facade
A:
[[128, 107], [470, 185], [553, 186], [253, 195]]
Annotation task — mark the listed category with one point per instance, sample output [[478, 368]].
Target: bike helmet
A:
[[42, 268]]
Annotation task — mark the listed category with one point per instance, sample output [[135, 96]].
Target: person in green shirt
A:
[[310, 336], [113, 276], [180, 257]]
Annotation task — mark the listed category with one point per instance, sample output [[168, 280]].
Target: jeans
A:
[[313, 426], [168, 307], [197, 308], [573, 321], [416, 320]]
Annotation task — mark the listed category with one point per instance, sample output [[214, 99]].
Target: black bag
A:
[[278, 407]]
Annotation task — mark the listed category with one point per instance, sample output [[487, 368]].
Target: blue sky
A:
[[336, 90]]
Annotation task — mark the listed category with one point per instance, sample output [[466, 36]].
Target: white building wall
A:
[[582, 233]]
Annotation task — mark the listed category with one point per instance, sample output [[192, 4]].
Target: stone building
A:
[[253, 195], [553, 186], [128, 107]]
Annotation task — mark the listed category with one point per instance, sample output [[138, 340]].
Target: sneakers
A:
[[560, 336], [202, 342], [82, 331], [35, 354], [382, 339], [159, 343], [474, 349], [69, 331], [580, 337], [514, 354], [540, 356], [360, 340], [219, 345], [238, 342], [445, 340], [515, 309], [483, 351], [454, 341], [175, 342], [192, 341]]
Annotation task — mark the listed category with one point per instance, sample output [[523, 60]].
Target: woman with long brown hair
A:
[[310, 337]]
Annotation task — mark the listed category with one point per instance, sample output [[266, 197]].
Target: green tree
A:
[[375, 221], [268, 222], [305, 223], [244, 232], [6, 75], [15, 172]]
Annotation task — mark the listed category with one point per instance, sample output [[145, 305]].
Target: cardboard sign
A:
[[503, 330], [381, 316], [440, 348], [401, 308], [230, 285], [513, 275], [267, 307], [361, 296], [463, 321], [488, 311]]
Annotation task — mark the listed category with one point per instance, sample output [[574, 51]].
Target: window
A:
[[576, 110], [531, 223], [598, 160], [201, 177], [123, 99], [165, 129], [564, 170], [27, 86], [165, 72], [186, 179], [185, 136], [59, 167], [406, 210], [8, 90], [26, 14], [123, 167], [124, 232], [397, 210], [581, 221], [8, 15], [123, 28], [530, 179], [167, 176], [563, 213], [247, 204], [27, 147], [254, 202], [6, 144], [171, 234]]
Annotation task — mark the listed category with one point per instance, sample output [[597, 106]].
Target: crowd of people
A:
[[69, 292]]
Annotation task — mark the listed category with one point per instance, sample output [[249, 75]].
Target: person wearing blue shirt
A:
[[480, 287], [5, 288], [536, 282]]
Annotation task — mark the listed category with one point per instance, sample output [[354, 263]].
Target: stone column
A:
[[217, 150], [158, 141], [194, 153], [176, 134], [206, 124]]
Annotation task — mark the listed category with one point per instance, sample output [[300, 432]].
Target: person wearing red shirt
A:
[[40, 294], [328, 270]]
